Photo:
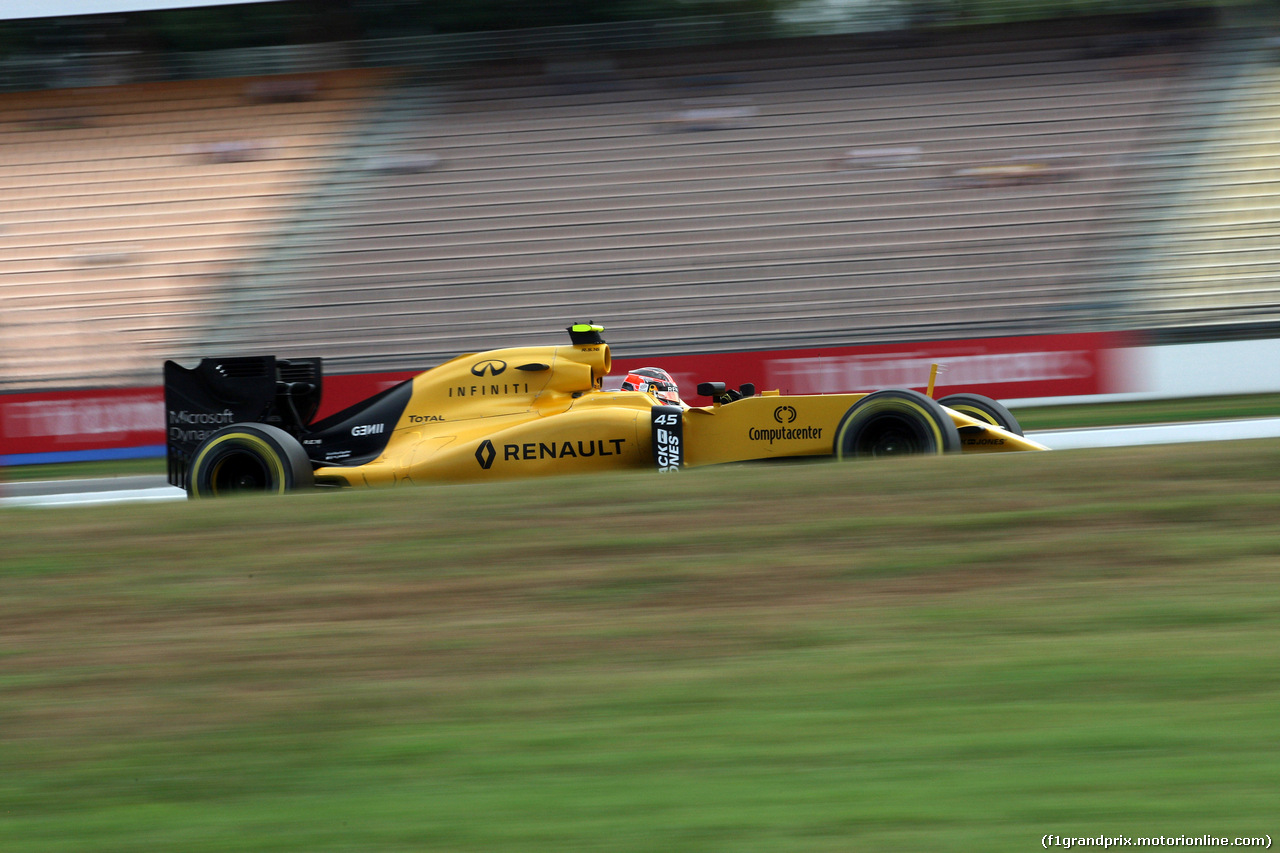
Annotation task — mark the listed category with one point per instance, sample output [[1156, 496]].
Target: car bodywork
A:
[[525, 411]]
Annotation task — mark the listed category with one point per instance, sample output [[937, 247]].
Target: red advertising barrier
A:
[[72, 426], [122, 423], [347, 389], [1003, 368]]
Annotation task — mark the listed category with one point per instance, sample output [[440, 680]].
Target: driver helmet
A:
[[654, 381]]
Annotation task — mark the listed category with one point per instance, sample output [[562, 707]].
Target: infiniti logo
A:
[[492, 367], [784, 415], [485, 454]]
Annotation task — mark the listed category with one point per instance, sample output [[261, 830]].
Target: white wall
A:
[[1186, 370]]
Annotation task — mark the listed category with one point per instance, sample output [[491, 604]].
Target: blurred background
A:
[[387, 183], [919, 656]]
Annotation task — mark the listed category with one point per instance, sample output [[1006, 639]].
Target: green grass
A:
[[72, 470], [930, 654]]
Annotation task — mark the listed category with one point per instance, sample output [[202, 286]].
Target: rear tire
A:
[[895, 422], [983, 409], [248, 459]]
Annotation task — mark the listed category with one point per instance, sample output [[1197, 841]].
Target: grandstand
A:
[[126, 206], [821, 191], [1215, 262], [728, 199]]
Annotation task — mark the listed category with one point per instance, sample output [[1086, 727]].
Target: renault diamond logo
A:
[[784, 415], [493, 367], [485, 454]]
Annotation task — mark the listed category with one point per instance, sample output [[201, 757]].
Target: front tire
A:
[[248, 459], [983, 409], [895, 422]]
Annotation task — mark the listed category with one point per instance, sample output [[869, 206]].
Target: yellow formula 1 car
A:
[[245, 424]]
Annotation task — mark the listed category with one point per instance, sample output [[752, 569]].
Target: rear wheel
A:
[[248, 459], [983, 409], [895, 422]]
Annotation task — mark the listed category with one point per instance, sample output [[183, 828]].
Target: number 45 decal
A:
[[668, 438]]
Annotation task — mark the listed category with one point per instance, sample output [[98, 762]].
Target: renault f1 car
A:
[[245, 424]]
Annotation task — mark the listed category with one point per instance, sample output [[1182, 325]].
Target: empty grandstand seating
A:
[[709, 200], [796, 193], [124, 208], [1216, 260]]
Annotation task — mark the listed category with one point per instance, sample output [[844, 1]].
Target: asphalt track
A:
[[53, 493]]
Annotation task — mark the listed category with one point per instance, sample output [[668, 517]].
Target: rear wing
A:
[[219, 392]]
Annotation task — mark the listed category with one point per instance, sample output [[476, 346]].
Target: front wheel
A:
[[895, 422], [983, 409], [246, 459]]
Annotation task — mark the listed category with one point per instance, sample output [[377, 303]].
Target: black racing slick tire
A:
[[248, 459], [895, 422], [985, 409]]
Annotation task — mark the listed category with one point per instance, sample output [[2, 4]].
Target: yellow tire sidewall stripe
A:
[[977, 414], [893, 406], [268, 452]]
